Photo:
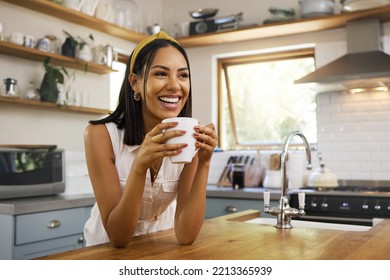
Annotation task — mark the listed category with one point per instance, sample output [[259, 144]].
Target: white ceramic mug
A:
[[17, 38], [43, 44], [188, 125]]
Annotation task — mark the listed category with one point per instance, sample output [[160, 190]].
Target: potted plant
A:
[[69, 46], [77, 47], [48, 90]]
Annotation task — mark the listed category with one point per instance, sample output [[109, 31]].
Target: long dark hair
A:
[[128, 113]]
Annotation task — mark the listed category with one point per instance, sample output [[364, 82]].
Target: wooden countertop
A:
[[228, 237]]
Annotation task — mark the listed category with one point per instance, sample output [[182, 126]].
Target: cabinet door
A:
[[45, 233], [48, 247], [222, 206], [49, 225]]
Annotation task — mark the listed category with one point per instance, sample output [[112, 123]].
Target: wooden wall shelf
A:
[[230, 36], [58, 11], [51, 106], [294, 27], [57, 59]]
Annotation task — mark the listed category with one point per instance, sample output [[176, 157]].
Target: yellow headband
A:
[[146, 41]]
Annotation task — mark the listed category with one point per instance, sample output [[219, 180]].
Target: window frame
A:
[[223, 63]]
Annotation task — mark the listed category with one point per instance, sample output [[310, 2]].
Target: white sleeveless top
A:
[[159, 199]]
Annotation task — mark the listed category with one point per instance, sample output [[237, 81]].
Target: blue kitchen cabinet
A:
[[33, 235], [222, 206]]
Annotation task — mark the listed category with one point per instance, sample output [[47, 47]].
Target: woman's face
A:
[[167, 88]]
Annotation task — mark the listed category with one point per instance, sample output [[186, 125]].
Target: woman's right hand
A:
[[154, 147]]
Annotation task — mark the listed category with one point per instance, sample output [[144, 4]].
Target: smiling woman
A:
[[137, 190]]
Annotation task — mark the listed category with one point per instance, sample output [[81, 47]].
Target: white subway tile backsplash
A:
[[384, 157], [354, 134], [379, 136], [369, 126], [349, 107], [340, 118], [355, 117], [378, 116]]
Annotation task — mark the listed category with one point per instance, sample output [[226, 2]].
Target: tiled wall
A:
[[353, 130], [354, 134]]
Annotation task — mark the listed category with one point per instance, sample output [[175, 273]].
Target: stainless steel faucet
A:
[[284, 212]]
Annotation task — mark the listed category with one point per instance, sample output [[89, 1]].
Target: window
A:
[[259, 104]]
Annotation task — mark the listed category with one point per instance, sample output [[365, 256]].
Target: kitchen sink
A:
[[311, 224]]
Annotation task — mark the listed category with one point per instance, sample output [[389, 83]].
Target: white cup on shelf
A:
[[17, 38]]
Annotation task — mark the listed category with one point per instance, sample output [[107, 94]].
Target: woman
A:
[[137, 189]]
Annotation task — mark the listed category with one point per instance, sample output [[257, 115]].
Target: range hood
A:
[[365, 67]]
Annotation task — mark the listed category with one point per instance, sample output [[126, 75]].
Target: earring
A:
[[137, 96]]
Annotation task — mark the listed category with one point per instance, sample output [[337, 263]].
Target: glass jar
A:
[[126, 14], [10, 88], [31, 92]]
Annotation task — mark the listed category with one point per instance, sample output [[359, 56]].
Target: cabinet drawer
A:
[[221, 206], [48, 225]]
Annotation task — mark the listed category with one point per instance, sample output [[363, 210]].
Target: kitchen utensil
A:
[[84, 53], [31, 92], [43, 44], [272, 179], [280, 14], [1, 31], [105, 11], [254, 173], [357, 5], [314, 8], [73, 4], [274, 162], [236, 175], [104, 55], [88, 7], [203, 13], [184, 29], [29, 41], [322, 177], [54, 43], [17, 38], [190, 151], [126, 14], [10, 87], [153, 29]]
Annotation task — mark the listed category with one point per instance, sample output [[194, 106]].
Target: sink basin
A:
[[310, 224]]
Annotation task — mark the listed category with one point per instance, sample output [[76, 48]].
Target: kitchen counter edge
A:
[[255, 193], [45, 203]]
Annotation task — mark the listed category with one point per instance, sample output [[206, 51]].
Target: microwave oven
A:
[[31, 170]]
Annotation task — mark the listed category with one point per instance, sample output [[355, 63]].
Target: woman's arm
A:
[[191, 200], [119, 212]]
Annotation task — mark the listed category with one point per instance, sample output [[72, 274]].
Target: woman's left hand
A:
[[206, 141]]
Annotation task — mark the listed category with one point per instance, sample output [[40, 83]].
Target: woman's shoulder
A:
[[95, 130]]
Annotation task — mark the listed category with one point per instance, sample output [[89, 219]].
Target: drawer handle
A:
[[231, 209], [54, 224]]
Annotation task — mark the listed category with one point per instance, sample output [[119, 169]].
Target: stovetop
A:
[[350, 200], [352, 188]]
